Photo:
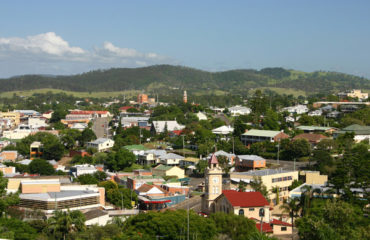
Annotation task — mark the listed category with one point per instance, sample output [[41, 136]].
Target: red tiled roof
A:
[[278, 222], [266, 227], [177, 132], [213, 159], [125, 108], [245, 199]]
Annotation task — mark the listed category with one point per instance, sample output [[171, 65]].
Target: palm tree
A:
[[63, 223], [292, 207], [306, 197]]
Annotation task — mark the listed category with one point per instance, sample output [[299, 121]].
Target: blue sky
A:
[[67, 37]]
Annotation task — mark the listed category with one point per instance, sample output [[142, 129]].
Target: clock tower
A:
[[213, 184]]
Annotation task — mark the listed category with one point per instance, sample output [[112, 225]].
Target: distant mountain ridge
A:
[[164, 77]]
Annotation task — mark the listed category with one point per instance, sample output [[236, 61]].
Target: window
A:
[[241, 212], [283, 229], [251, 209], [216, 190]]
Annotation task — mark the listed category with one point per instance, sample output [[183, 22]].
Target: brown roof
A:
[[311, 137], [146, 187], [94, 214], [213, 159]]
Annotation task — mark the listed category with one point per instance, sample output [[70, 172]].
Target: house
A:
[[150, 157], [243, 162], [298, 109], [333, 114], [141, 122], [79, 126], [36, 150], [315, 113], [239, 110], [101, 144], [247, 204], [136, 149], [151, 191], [163, 171], [96, 217], [8, 156], [281, 228], [162, 126], [223, 132], [355, 93], [361, 132], [315, 129], [255, 135], [134, 182], [312, 138], [189, 161], [14, 116], [271, 178], [201, 116], [48, 114], [7, 170], [21, 132], [171, 159], [229, 156], [35, 123], [78, 170]]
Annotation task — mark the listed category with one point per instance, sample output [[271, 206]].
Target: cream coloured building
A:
[[271, 178], [15, 116], [163, 170], [213, 185]]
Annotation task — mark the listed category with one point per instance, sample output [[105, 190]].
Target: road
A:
[[100, 127]]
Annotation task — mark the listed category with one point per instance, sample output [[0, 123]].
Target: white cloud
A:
[[48, 43], [49, 51]]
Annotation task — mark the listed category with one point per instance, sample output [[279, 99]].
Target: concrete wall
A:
[[40, 188]]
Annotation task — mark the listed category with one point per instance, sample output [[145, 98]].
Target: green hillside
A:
[[160, 78]]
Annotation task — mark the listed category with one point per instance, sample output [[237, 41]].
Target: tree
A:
[[87, 179], [334, 220], [120, 160], [292, 207], [87, 135], [62, 223], [69, 137], [41, 167], [169, 225], [270, 121], [234, 226], [58, 114], [258, 186]]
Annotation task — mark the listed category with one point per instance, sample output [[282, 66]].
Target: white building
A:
[[36, 122], [223, 132], [78, 170], [171, 159], [298, 109], [315, 113], [21, 132], [101, 144], [160, 126], [239, 110], [79, 126], [201, 116]]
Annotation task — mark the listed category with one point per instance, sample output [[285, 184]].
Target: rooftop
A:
[[314, 128], [163, 167], [245, 199], [56, 195], [263, 172], [261, 133], [250, 157], [135, 147]]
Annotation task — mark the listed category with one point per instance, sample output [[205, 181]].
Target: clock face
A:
[[215, 179]]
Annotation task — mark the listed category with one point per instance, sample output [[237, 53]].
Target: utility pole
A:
[[278, 153], [183, 146], [140, 135]]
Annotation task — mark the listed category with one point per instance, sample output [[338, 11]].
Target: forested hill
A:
[[163, 77]]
